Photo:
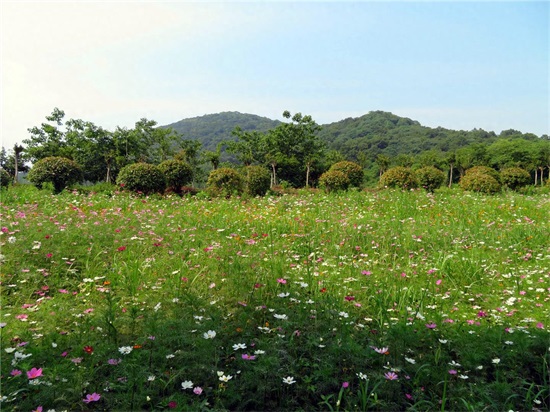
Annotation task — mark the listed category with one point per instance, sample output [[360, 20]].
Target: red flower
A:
[[323, 290], [121, 248], [89, 350], [172, 404]]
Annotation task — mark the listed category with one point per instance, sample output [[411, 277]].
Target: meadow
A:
[[356, 301]]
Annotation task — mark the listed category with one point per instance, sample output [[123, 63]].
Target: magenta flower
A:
[[15, 372], [38, 409], [431, 325], [345, 384], [34, 373], [246, 356], [94, 397], [453, 372], [391, 376], [281, 280]]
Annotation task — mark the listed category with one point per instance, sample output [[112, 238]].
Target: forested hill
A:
[[211, 129], [374, 133]]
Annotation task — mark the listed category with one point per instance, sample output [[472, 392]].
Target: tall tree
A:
[[48, 139]]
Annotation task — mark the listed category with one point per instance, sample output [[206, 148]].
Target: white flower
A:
[[496, 361], [259, 352], [170, 356], [9, 350], [238, 346], [283, 317], [220, 373], [151, 378], [225, 378], [410, 360], [36, 245], [210, 334], [509, 342], [443, 341], [289, 380], [309, 302], [362, 376], [157, 307], [12, 239], [125, 350], [283, 295], [343, 314], [187, 385], [463, 376]]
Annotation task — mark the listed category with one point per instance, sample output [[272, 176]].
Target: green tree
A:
[[249, 146], [383, 162], [507, 153], [48, 139]]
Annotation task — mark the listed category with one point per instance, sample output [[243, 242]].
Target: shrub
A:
[[479, 182], [485, 170], [224, 182], [5, 178], [142, 177], [353, 171], [334, 180], [430, 178], [177, 174], [400, 177], [257, 180], [514, 177], [59, 171]]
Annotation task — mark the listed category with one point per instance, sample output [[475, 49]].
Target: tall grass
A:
[[356, 301]]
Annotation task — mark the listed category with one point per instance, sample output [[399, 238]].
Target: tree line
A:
[[294, 151]]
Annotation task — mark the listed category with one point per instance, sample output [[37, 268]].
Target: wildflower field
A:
[[357, 301]]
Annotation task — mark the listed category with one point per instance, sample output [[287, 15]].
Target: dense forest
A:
[[295, 150]]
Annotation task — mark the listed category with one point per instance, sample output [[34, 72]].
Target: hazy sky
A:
[[458, 65]]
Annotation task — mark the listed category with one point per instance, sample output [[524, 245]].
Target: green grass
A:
[[311, 288]]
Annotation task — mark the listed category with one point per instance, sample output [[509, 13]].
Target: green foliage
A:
[[399, 177], [224, 182], [484, 170], [480, 182], [352, 170], [59, 171], [142, 177], [430, 178], [256, 180], [5, 178], [334, 180], [177, 174], [514, 177]]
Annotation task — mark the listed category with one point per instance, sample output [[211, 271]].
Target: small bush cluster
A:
[[224, 182], [399, 177], [59, 171], [142, 177], [334, 181], [480, 182], [514, 177], [256, 180], [352, 170], [430, 178], [5, 178], [177, 174], [484, 170]]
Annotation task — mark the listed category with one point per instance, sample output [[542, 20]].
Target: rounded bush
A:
[[334, 180], [142, 177], [399, 177], [224, 182], [257, 180], [515, 177], [479, 182], [485, 170], [430, 178], [177, 174], [5, 178], [353, 171], [59, 171]]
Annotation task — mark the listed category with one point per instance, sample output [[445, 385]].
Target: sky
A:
[[458, 65]]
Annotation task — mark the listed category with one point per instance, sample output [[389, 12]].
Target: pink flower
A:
[[431, 325], [345, 384], [540, 325], [246, 356], [452, 372], [438, 282], [391, 376], [38, 409], [197, 390], [366, 273], [281, 280], [381, 351], [15, 372], [94, 397], [34, 373]]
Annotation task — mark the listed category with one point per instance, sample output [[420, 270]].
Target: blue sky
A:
[[459, 65]]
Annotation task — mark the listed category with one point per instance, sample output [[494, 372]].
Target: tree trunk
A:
[[273, 175], [307, 175], [451, 175]]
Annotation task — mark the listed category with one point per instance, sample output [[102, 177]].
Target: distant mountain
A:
[[211, 129], [374, 133]]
